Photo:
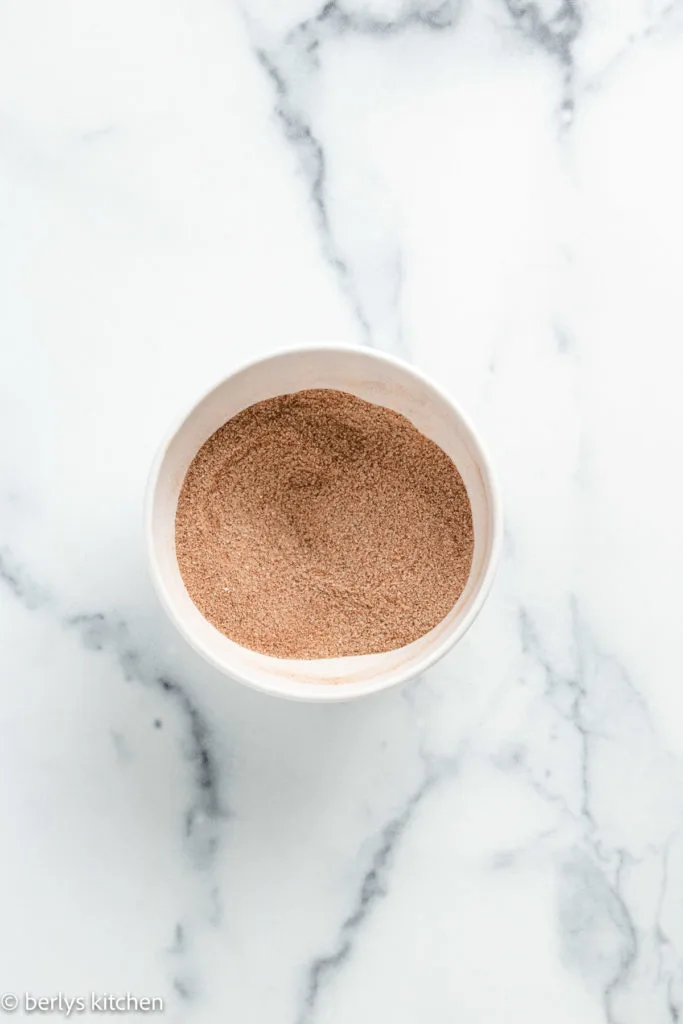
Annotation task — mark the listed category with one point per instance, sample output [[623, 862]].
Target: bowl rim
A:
[[311, 692]]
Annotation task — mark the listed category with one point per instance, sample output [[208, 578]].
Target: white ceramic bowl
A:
[[377, 378]]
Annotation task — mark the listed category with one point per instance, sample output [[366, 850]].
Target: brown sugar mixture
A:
[[315, 525]]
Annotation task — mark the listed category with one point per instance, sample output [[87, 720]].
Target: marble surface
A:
[[491, 189]]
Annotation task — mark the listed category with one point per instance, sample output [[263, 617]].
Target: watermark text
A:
[[92, 1002]]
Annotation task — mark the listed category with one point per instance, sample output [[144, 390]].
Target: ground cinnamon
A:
[[316, 525]]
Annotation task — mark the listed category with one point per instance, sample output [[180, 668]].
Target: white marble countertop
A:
[[493, 190]]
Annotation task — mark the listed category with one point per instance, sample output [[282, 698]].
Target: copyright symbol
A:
[[8, 1002]]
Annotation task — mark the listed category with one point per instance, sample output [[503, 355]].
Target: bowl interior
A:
[[377, 379]]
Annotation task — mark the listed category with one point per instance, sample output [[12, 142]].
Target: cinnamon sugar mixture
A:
[[315, 525]]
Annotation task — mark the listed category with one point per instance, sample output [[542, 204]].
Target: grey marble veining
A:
[[492, 190]]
